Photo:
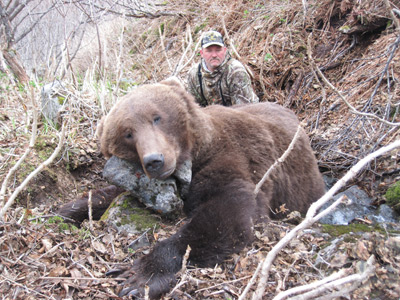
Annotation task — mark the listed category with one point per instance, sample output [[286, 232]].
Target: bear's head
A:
[[150, 126]]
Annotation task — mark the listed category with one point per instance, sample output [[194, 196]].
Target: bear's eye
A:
[[156, 120], [128, 135]]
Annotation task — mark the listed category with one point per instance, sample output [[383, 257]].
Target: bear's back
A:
[[257, 135]]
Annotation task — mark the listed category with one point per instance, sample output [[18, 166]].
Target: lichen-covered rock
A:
[[163, 196]]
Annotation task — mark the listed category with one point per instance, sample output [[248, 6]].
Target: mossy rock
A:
[[127, 214], [393, 196]]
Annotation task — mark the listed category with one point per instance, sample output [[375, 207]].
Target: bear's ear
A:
[[100, 126], [173, 81], [102, 138]]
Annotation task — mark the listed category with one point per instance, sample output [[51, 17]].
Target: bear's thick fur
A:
[[160, 126]]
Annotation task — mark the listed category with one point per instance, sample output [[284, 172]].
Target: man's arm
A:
[[240, 87]]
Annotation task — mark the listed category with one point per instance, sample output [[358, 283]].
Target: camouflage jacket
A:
[[230, 79]]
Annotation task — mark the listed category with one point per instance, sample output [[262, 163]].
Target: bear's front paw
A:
[[137, 280]]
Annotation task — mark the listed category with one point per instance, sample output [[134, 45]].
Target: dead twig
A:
[[280, 160], [90, 214], [82, 278], [183, 280], [219, 284]]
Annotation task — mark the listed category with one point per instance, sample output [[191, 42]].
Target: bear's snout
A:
[[153, 163]]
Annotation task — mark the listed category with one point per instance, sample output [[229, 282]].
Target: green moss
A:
[[338, 230], [393, 196], [84, 234], [61, 225], [55, 220], [45, 146], [61, 100], [25, 170], [141, 218]]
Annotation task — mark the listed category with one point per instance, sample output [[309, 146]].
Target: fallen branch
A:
[[83, 278], [33, 174], [310, 219]]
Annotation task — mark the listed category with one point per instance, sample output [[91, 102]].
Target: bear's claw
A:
[[114, 272], [130, 291]]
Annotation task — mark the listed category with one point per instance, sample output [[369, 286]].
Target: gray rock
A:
[[358, 206], [163, 196], [385, 214], [52, 100]]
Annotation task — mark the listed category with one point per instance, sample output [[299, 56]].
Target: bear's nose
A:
[[153, 162]]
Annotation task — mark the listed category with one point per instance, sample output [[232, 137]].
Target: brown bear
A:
[[231, 148]]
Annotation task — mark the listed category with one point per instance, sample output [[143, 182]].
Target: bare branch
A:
[[15, 10], [7, 25], [33, 25], [193, 55], [137, 10]]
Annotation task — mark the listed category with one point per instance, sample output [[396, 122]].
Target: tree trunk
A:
[[12, 60]]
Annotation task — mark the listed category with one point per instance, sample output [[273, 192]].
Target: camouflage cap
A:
[[212, 38]]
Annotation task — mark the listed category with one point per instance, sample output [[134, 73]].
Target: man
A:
[[219, 79]]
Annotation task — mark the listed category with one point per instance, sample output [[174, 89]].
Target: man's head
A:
[[213, 49]]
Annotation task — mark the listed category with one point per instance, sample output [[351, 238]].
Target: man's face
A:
[[214, 56]]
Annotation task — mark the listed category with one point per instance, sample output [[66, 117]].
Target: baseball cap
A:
[[212, 38]]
